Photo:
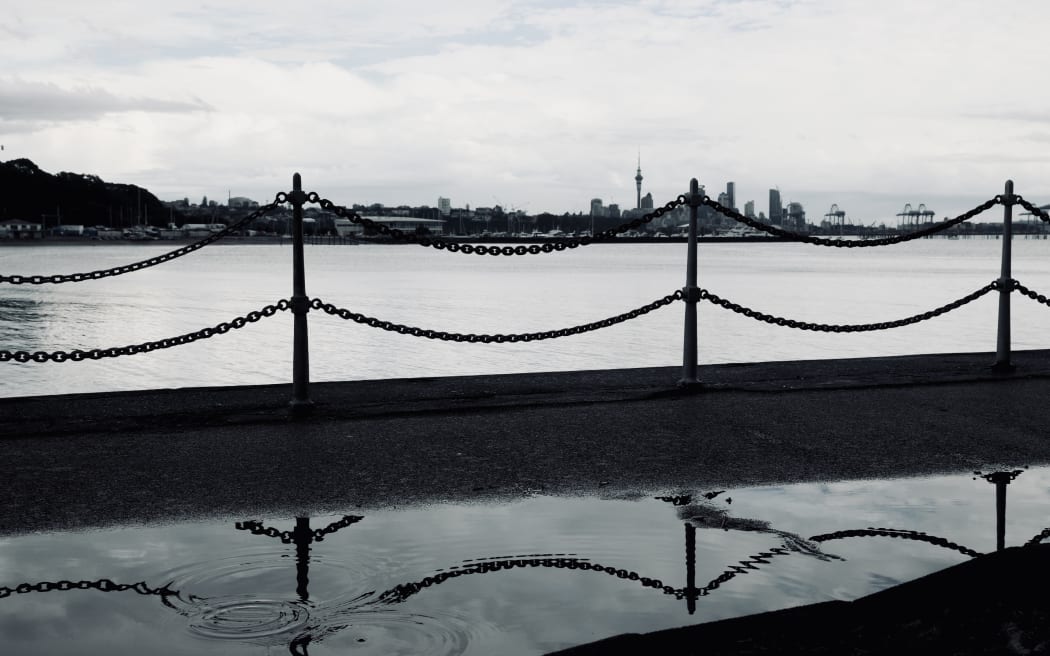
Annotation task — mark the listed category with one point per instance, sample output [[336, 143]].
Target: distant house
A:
[[407, 224], [19, 229]]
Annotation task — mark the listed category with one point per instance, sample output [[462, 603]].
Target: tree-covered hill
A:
[[31, 194]]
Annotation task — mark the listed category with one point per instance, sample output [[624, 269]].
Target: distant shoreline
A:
[[353, 241]]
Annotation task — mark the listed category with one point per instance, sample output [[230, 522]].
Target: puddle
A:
[[528, 577]]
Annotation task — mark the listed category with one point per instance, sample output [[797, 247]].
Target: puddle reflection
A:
[[382, 582]]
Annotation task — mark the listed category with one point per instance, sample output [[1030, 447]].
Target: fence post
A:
[[1002, 350], [691, 293], [301, 402]]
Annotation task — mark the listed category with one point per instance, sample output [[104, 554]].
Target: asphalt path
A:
[[92, 460]]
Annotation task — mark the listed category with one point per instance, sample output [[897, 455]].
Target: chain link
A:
[[402, 329], [847, 328], [903, 534], [1035, 296], [480, 249], [133, 349], [103, 585], [848, 243], [136, 266], [1032, 208]]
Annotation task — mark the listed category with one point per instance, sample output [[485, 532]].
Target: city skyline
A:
[[538, 104]]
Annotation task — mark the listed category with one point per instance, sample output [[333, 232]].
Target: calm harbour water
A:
[[459, 293]]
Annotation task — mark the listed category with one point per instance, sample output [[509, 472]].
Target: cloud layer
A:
[[536, 104]]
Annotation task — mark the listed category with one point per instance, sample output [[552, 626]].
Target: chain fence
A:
[[452, 246], [142, 264], [78, 355], [846, 328], [850, 243], [402, 329]]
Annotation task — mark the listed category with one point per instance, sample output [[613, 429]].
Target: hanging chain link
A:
[[849, 243], [103, 585], [1032, 208], [846, 328], [480, 249], [136, 266], [344, 313], [1035, 296], [902, 534], [97, 354]]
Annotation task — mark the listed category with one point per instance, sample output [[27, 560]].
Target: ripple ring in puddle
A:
[[248, 619]]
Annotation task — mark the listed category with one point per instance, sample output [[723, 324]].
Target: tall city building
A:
[[731, 195], [444, 206], [596, 207], [638, 181], [749, 209], [776, 209], [646, 203]]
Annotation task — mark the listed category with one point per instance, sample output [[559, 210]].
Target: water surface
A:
[[521, 578]]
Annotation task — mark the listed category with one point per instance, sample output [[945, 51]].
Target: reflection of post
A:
[[302, 536], [690, 567], [1001, 480]]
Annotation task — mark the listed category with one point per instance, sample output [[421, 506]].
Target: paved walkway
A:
[[103, 459]]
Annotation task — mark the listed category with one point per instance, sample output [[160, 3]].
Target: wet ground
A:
[[116, 459], [95, 460]]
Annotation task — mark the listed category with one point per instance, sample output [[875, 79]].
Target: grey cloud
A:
[[42, 102]]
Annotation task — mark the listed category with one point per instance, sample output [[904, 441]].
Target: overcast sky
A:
[[538, 105]]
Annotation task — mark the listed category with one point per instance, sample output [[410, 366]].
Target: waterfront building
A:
[[597, 208], [796, 215], [19, 229], [776, 209], [444, 206]]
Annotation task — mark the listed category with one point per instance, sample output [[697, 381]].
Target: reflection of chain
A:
[[903, 534], [102, 585], [287, 537]]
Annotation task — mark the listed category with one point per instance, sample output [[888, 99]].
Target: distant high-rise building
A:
[[647, 202], [444, 206], [731, 195], [596, 207], [638, 181], [749, 209], [613, 211], [723, 200], [776, 209], [796, 215]]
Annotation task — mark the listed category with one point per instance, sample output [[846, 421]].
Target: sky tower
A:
[[638, 181]]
